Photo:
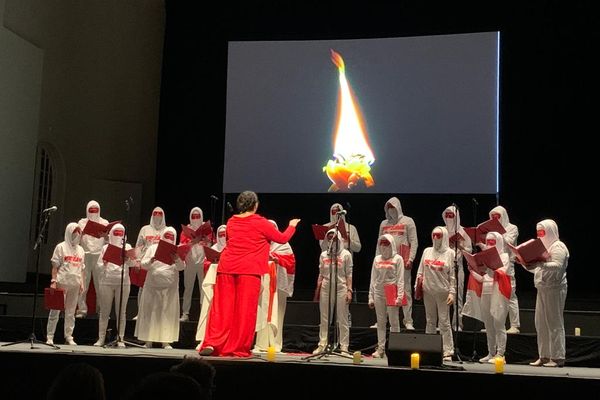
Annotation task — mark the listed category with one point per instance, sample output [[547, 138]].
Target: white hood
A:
[[158, 222], [499, 241], [387, 252], [440, 245], [169, 235], [94, 206], [195, 223], [333, 217], [503, 215], [393, 210], [72, 235], [452, 224], [327, 242], [115, 236], [221, 240], [551, 229]]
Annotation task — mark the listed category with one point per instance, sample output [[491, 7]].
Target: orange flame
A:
[[352, 155]]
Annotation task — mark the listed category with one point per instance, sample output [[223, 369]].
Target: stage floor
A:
[[27, 373], [333, 360]]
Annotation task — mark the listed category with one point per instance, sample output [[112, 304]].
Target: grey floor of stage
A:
[[330, 360]]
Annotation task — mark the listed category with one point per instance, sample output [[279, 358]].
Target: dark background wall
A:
[[548, 90]]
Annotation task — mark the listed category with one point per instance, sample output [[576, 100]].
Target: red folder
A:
[[96, 229], [165, 252], [419, 288], [183, 250], [404, 251], [137, 276], [488, 258], [204, 230], [391, 293], [113, 254], [319, 231], [211, 254], [530, 252], [479, 233], [54, 299], [456, 237]]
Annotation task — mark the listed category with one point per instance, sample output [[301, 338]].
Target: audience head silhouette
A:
[[78, 381]]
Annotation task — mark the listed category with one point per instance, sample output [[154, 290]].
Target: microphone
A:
[[229, 207], [49, 210], [212, 196], [342, 212], [474, 200]]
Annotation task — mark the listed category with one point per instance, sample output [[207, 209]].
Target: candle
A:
[[271, 353], [414, 360], [499, 364], [356, 357], [577, 331]]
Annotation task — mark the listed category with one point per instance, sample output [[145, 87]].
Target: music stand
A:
[[32, 338], [120, 339], [332, 329]]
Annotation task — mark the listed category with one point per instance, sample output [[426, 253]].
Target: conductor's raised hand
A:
[[294, 222]]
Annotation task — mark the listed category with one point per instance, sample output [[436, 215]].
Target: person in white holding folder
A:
[[386, 290], [194, 263], [92, 247], [462, 241], [510, 238], [404, 231], [495, 291], [436, 270], [550, 279], [67, 274]]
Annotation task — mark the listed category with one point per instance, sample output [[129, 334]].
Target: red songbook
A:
[[391, 293], [478, 234], [404, 251], [457, 237], [488, 258], [183, 250], [211, 255], [54, 299], [165, 252], [530, 252], [204, 230], [419, 288], [319, 231], [113, 254], [137, 276], [96, 229]]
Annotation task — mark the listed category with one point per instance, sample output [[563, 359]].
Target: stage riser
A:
[[307, 313], [581, 351]]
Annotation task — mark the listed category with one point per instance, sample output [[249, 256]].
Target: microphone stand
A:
[[32, 338], [213, 217], [332, 329], [119, 338], [456, 324]]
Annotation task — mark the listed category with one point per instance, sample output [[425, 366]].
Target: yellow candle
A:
[[577, 331], [499, 364], [357, 357], [271, 353], [414, 360]]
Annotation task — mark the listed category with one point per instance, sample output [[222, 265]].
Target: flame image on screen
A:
[[351, 166]]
